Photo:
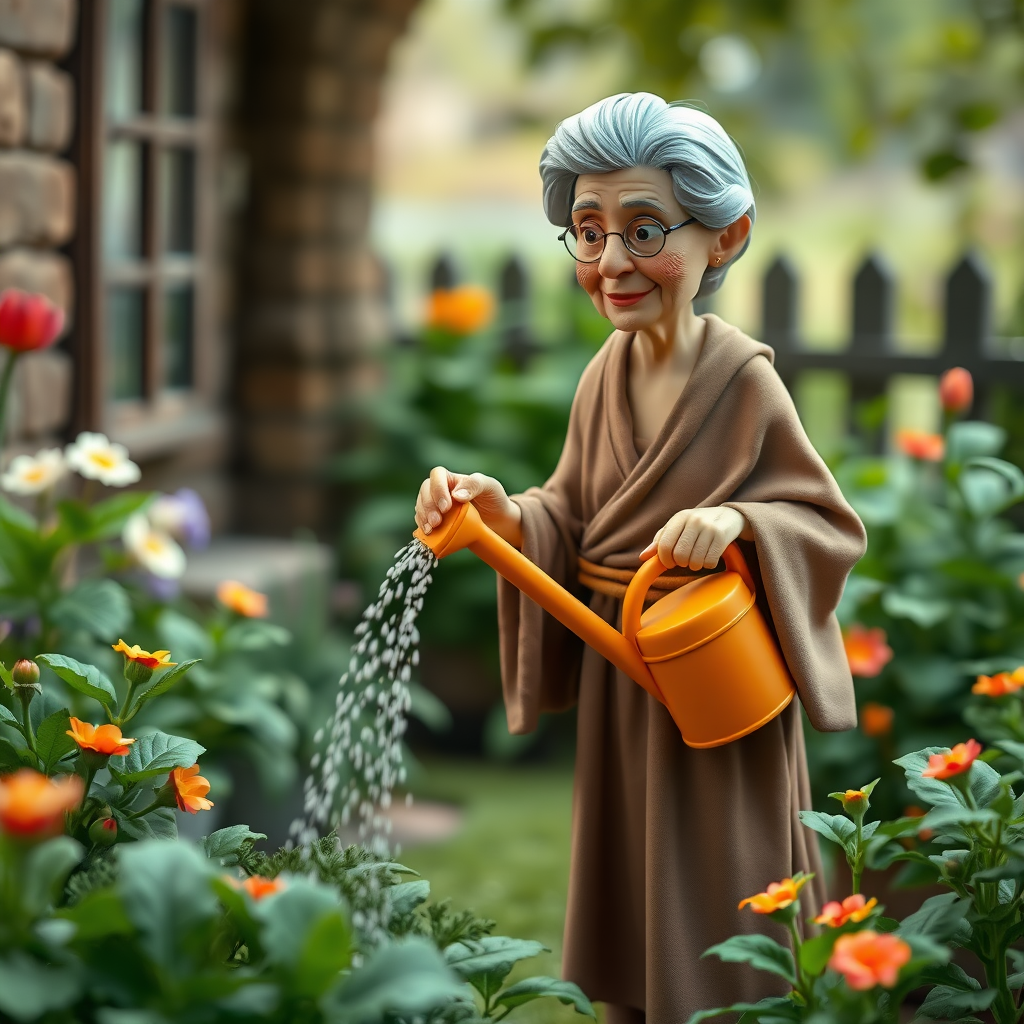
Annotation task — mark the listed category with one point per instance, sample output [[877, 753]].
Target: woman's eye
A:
[[590, 235]]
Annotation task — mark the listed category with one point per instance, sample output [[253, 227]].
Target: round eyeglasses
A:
[[642, 236]]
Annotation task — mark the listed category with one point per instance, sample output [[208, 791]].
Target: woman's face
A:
[[638, 293]]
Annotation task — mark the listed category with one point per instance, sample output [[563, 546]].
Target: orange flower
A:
[[33, 805], [867, 958], [876, 719], [866, 650], [919, 444], [1000, 684], [190, 789], [956, 762], [257, 886], [241, 599], [158, 659], [853, 908], [956, 390], [777, 896], [104, 739], [913, 811], [461, 310]]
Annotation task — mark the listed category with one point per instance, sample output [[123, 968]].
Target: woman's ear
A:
[[729, 241]]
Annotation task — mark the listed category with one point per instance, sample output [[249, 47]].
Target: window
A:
[[147, 258]]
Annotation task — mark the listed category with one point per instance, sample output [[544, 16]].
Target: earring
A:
[[718, 260]]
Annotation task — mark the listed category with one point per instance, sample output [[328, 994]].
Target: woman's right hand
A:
[[496, 509]]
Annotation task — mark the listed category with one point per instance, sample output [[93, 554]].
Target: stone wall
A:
[[37, 195], [310, 286]]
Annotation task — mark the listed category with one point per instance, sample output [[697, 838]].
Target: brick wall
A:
[[310, 287], [37, 195]]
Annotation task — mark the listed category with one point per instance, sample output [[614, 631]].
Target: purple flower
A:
[[183, 515], [162, 589]]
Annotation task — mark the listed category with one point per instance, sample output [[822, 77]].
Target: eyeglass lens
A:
[[643, 237]]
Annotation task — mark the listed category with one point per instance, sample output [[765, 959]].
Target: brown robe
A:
[[666, 840]]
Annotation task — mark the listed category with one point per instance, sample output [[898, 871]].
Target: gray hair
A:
[[642, 130]]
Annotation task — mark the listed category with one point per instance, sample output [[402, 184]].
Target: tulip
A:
[[867, 958], [956, 390], [32, 806], [28, 321], [866, 650]]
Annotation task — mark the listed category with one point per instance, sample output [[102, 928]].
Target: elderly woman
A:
[[682, 439]]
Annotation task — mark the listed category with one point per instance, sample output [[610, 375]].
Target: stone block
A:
[[276, 388], [50, 107], [37, 199], [287, 445], [46, 272], [44, 27], [41, 394], [12, 100], [317, 151]]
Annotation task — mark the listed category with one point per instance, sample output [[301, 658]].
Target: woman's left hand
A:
[[696, 537]]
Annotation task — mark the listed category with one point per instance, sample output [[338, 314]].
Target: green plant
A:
[[941, 579]]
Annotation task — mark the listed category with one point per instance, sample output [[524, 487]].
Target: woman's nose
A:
[[616, 259]]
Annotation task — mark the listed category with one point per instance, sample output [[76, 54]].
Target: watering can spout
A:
[[462, 527]]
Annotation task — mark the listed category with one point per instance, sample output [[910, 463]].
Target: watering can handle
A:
[[633, 602]]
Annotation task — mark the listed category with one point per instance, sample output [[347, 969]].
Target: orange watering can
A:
[[704, 650]]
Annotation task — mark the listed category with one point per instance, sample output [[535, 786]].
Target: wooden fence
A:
[[873, 356]]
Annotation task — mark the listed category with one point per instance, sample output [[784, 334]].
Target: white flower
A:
[[156, 551], [33, 474], [97, 458]]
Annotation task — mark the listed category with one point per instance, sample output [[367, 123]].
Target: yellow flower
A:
[[777, 896], [190, 789], [241, 599], [158, 659], [104, 739]]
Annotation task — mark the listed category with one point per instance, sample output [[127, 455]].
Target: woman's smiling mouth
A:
[[626, 298]]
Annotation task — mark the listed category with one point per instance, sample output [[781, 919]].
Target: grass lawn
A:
[[509, 861]]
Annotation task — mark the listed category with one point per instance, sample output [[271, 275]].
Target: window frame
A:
[[163, 420]]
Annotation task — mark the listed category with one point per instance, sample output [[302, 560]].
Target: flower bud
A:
[[956, 390], [137, 673], [103, 831], [25, 674]]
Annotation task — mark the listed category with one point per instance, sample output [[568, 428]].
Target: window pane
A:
[[122, 201], [126, 312], [178, 63], [179, 329], [123, 64], [177, 200]]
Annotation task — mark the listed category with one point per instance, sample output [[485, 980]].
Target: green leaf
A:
[[155, 753], [486, 962], [162, 683], [7, 716], [815, 952], [226, 844], [99, 607], [52, 739], [781, 1009], [254, 635], [158, 824], [46, 870], [29, 989], [945, 1003], [106, 518], [942, 817], [6, 677], [924, 611], [837, 828], [971, 438], [12, 757], [938, 918], [405, 897], [289, 917], [183, 636], [326, 952], [989, 486], [761, 952], [86, 679], [566, 992], [98, 914], [164, 888], [407, 977]]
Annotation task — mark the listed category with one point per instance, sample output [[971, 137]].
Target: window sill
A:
[[165, 432]]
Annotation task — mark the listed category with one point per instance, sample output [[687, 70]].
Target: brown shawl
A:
[[666, 840]]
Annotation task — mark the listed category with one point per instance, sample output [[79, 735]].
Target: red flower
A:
[[919, 444], [956, 762], [853, 908], [28, 321], [866, 650], [956, 390]]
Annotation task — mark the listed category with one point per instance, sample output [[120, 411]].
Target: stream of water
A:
[[352, 775]]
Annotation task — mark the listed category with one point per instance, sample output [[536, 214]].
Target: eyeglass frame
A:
[[621, 234]]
